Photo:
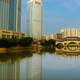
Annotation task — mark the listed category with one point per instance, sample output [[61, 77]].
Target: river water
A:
[[40, 66]]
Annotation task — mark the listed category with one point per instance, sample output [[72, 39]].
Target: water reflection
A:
[[59, 67], [40, 65], [9, 71], [20, 66], [32, 67]]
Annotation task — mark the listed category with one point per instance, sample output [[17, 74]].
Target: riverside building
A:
[[10, 19], [10, 34], [70, 32]]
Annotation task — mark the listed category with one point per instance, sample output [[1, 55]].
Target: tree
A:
[[3, 42], [50, 42], [26, 41]]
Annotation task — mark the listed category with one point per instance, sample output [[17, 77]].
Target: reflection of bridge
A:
[[69, 44], [68, 53]]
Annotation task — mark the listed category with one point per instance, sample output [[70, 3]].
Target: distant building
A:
[[34, 19], [48, 37], [51, 36], [70, 32], [59, 35], [10, 14], [10, 34], [43, 37]]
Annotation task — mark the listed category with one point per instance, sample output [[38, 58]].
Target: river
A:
[[40, 66]]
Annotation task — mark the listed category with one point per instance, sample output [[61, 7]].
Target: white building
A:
[[70, 32], [34, 19]]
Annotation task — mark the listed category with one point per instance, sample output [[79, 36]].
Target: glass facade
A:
[[10, 12]]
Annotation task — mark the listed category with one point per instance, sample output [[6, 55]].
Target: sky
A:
[[57, 14]]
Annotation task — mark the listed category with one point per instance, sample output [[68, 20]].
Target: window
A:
[[8, 36], [3, 36]]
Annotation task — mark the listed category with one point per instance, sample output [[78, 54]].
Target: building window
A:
[[3, 36], [65, 48], [65, 43], [8, 36]]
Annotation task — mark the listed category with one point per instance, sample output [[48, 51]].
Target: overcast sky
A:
[[57, 14]]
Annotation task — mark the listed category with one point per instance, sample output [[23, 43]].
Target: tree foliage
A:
[[50, 42], [24, 42]]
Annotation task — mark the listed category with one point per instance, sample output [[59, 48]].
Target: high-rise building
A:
[[10, 12], [34, 19]]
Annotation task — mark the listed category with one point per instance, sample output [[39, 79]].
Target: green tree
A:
[[3, 42], [26, 41], [50, 42]]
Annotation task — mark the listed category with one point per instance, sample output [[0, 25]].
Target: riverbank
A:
[[19, 49]]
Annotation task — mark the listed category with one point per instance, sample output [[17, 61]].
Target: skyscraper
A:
[[10, 12], [34, 20]]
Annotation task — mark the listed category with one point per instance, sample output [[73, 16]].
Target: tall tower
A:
[[10, 12], [34, 19]]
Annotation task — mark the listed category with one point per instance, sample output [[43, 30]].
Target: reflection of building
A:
[[10, 12], [34, 22], [9, 71], [10, 34], [34, 68]]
